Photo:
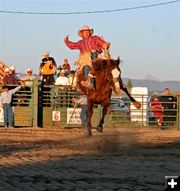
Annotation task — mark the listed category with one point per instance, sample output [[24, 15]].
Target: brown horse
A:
[[106, 81]]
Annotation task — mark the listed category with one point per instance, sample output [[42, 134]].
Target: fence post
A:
[[35, 102], [178, 111]]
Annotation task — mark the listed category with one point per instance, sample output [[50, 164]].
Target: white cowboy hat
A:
[[62, 71], [28, 70], [12, 68], [85, 28], [46, 53], [6, 70]]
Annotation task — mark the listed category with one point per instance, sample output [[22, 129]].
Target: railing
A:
[[35, 106]]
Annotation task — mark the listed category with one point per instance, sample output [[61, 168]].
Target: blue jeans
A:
[[84, 116], [8, 115], [86, 70]]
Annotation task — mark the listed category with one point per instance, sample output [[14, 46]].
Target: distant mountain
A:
[[154, 85]]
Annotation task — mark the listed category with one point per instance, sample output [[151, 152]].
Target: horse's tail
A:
[[124, 88]]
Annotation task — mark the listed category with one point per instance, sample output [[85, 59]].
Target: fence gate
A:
[[24, 106]]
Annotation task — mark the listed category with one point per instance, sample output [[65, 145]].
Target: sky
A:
[[147, 40]]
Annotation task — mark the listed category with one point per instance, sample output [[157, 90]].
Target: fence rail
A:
[[39, 106]]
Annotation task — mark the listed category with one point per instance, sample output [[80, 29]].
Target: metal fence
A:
[[40, 106]]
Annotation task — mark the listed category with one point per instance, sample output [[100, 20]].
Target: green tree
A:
[[129, 84]]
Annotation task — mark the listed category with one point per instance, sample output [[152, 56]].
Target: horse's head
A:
[[114, 69]]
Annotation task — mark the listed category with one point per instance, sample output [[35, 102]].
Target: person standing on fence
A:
[[47, 69], [5, 103], [82, 101]]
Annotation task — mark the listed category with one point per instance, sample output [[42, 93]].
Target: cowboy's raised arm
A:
[[70, 44]]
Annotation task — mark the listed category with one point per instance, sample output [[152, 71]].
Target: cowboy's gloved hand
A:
[[66, 38]]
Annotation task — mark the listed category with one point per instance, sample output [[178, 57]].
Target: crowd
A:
[[49, 74]]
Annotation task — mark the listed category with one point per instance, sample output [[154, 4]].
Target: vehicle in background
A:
[[120, 104]]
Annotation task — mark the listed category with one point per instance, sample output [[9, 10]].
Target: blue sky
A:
[[147, 40]]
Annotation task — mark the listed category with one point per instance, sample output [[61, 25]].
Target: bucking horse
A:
[[108, 78]]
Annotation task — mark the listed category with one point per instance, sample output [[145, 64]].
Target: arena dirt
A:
[[121, 158]]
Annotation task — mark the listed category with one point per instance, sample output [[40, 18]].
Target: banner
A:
[[73, 115]]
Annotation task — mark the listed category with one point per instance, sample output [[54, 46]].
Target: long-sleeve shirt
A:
[[62, 80], [10, 79], [6, 97], [82, 100], [87, 44]]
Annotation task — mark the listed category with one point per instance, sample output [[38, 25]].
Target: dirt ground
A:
[[121, 158]]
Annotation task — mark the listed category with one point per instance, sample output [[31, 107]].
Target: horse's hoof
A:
[[88, 133], [99, 129]]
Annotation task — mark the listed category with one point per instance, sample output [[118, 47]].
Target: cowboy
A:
[[47, 69], [90, 47]]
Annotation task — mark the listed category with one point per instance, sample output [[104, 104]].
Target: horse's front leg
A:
[[101, 122]]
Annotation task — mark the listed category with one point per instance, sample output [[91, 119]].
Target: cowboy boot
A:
[[87, 84]]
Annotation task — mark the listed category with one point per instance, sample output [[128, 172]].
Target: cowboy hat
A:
[[12, 68], [46, 53], [6, 70], [62, 71], [28, 70], [85, 28]]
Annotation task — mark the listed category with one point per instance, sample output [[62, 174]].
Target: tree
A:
[[129, 84]]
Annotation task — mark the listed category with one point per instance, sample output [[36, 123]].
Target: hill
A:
[[154, 85]]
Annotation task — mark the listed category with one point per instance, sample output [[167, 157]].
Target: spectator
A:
[[29, 77], [66, 66], [47, 69], [157, 110], [9, 78], [12, 70], [5, 103], [62, 79], [168, 102]]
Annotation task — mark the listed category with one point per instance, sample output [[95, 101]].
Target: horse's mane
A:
[[99, 64], [102, 64]]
